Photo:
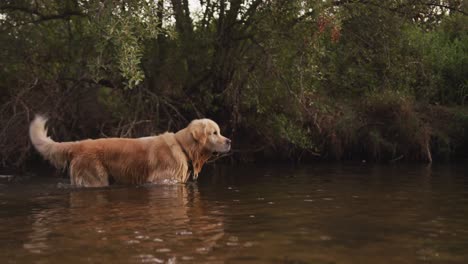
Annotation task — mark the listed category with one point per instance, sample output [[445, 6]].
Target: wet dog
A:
[[161, 158]]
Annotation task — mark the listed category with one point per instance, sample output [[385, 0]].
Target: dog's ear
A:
[[198, 131]]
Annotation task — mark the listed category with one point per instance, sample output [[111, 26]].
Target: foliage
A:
[[443, 56], [332, 79]]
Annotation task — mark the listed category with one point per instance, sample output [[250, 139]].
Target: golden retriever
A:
[[157, 159]]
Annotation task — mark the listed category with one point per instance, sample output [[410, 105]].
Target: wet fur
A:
[[162, 158]]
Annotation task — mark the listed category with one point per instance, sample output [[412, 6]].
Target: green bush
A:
[[442, 57]]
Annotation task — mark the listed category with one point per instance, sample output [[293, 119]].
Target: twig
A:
[[397, 158], [217, 157]]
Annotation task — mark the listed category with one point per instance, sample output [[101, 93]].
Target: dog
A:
[[155, 159]]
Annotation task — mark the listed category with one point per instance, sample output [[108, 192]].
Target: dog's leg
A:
[[75, 174], [164, 176], [86, 172]]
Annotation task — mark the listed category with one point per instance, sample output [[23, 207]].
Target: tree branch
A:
[[42, 17]]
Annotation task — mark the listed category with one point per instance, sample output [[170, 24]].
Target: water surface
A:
[[325, 213]]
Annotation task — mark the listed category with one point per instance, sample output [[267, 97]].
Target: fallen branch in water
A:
[[397, 158], [217, 157]]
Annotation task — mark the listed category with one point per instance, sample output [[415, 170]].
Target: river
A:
[[320, 213]]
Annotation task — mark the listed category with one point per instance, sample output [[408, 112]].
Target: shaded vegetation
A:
[[341, 79]]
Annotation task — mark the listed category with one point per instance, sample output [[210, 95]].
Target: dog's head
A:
[[207, 134]]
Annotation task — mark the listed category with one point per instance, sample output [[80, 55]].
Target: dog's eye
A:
[[216, 132]]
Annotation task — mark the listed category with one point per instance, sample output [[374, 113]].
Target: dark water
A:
[[323, 213]]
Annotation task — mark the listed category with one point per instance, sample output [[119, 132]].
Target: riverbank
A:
[[378, 129]]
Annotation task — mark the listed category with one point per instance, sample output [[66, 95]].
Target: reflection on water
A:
[[146, 223], [271, 214]]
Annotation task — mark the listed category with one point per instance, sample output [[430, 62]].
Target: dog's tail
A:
[[55, 152]]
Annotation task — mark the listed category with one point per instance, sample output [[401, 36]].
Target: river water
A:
[[325, 213]]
